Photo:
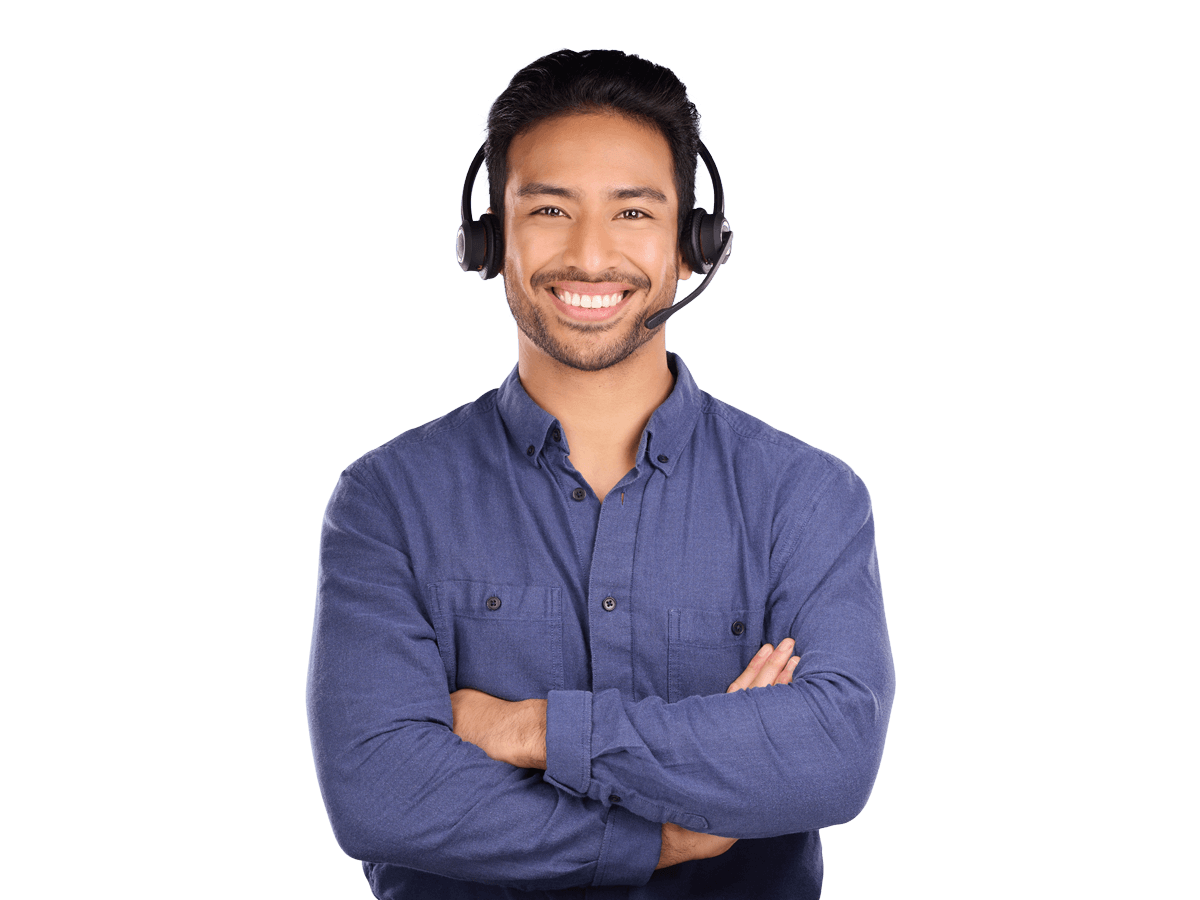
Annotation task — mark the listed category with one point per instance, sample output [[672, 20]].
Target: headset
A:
[[706, 242]]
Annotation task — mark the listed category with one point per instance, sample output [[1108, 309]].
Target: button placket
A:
[[610, 598]]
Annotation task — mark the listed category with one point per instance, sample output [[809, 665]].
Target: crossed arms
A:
[[418, 778], [515, 733]]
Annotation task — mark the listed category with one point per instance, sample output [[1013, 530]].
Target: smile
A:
[[589, 301]]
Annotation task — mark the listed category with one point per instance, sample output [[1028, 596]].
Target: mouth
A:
[[589, 300]]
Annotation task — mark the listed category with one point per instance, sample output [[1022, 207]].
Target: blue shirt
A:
[[470, 553]]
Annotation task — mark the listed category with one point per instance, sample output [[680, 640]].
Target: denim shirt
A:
[[470, 553]]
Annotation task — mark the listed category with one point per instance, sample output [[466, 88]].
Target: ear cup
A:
[[479, 246], [704, 234], [691, 241], [493, 259]]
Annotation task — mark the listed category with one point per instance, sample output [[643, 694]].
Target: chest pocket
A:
[[503, 639], [708, 649]]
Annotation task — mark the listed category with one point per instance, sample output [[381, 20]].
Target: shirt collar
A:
[[670, 427], [527, 424]]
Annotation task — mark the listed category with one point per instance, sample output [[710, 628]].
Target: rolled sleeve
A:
[[569, 741]]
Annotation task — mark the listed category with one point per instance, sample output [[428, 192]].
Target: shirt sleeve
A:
[[770, 760], [400, 787]]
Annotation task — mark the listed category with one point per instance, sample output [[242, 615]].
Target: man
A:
[[596, 629]]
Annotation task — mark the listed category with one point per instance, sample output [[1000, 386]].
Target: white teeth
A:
[[590, 301]]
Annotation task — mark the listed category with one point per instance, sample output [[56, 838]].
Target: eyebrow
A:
[[541, 188]]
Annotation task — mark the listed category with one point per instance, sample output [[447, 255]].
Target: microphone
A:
[[722, 254]]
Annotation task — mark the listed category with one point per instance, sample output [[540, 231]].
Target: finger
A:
[[748, 675], [785, 677], [774, 664]]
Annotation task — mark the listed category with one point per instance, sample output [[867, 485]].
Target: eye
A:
[[549, 211], [632, 214]]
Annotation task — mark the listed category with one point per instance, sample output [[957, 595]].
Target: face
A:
[[590, 236]]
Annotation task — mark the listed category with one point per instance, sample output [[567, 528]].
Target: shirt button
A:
[[662, 457], [529, 451], [556, 434], [493, 603], [613, 798], [578, 494], [609, 604], [738, 628]]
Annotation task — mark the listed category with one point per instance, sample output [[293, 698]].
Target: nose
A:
[[590, 245]]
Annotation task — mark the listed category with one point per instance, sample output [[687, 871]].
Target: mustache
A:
[[608, 275]]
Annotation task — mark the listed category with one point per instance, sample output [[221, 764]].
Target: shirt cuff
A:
[[569, 742], [632, 846]]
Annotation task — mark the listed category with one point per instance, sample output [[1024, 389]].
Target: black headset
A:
[[706, 241]]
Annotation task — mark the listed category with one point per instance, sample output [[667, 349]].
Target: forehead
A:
[[591, 152]]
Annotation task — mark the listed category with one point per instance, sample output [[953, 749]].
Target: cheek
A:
[[652, 252], [528, 251]]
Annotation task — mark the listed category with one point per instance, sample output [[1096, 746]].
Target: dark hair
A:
[[600, 80]]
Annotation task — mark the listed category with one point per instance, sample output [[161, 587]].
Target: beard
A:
[[588, 347]]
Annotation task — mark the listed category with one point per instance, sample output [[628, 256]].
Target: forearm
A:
[[760, 763], [508, 731], [532, 735]]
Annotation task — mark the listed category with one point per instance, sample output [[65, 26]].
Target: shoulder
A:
[[435, 444], [750, 439]]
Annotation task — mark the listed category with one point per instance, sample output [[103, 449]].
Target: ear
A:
[[682, 270]]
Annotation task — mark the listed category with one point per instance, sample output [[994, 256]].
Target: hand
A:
[[511, 732], [771, 665], [680, 845]]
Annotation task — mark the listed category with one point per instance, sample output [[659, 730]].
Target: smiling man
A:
[[596, 634], [590, 219]]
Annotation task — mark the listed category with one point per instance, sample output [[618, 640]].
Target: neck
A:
[[604, 413]]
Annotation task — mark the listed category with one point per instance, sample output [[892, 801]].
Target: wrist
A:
[[532, 733]]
